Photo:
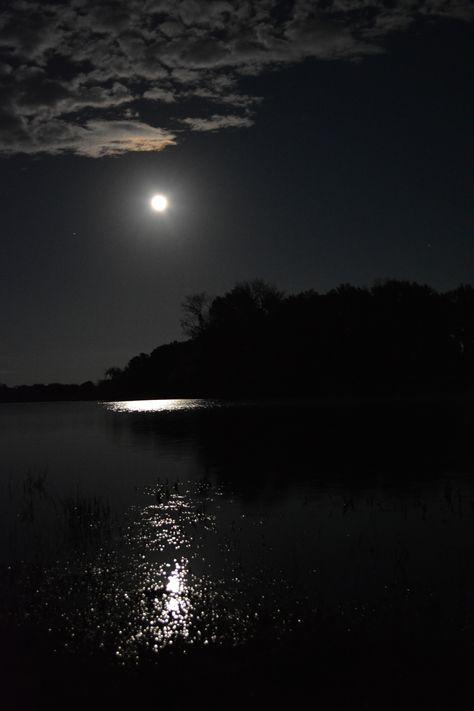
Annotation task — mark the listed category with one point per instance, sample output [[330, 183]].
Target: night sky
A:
[[304, 143]]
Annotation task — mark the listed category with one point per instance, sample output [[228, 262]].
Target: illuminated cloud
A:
[[95, 139], [72, 74], [217, 122]]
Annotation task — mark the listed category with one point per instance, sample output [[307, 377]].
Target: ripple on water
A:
[[170, 577]]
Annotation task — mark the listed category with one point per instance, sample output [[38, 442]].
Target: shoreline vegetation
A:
[[396, 339]]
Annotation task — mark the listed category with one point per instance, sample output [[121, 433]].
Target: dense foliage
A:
[[395, 337]]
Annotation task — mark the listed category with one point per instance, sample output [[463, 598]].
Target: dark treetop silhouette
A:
[[396, 337]]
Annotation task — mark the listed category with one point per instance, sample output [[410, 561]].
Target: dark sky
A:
[[305, 143]]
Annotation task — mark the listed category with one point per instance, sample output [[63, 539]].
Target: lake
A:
[[137, 536]]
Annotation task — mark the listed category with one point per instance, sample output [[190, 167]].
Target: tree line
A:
[[396, 337]]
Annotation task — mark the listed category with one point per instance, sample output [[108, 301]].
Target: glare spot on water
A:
[[173, 583], [172, 605], [171, 405]]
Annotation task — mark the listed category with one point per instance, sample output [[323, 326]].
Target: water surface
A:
[[132, 528]]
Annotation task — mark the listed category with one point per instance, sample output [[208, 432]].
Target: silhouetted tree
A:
[[195, 309], [395, 337], [113, 372]]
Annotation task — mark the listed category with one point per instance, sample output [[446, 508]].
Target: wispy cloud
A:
[[78, 76], [93, 139], [217, 122]]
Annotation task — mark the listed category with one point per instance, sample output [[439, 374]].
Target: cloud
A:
[[77, 76], [101, 138], [217, 122], [159, 94], [94, 139]]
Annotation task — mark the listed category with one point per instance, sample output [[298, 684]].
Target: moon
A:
[[159, 203]]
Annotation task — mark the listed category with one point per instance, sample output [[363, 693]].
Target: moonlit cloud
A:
[[94, 139], [217, 122], [157, 94], [73, 75]]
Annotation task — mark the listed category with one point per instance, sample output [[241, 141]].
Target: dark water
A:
[[132, 529]]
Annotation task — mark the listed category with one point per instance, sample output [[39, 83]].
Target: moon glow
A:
[[159, 203]]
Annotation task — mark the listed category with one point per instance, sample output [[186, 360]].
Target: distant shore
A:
[[77, 393], [396, 339]]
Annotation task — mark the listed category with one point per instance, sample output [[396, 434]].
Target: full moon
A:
[[159, 203]]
